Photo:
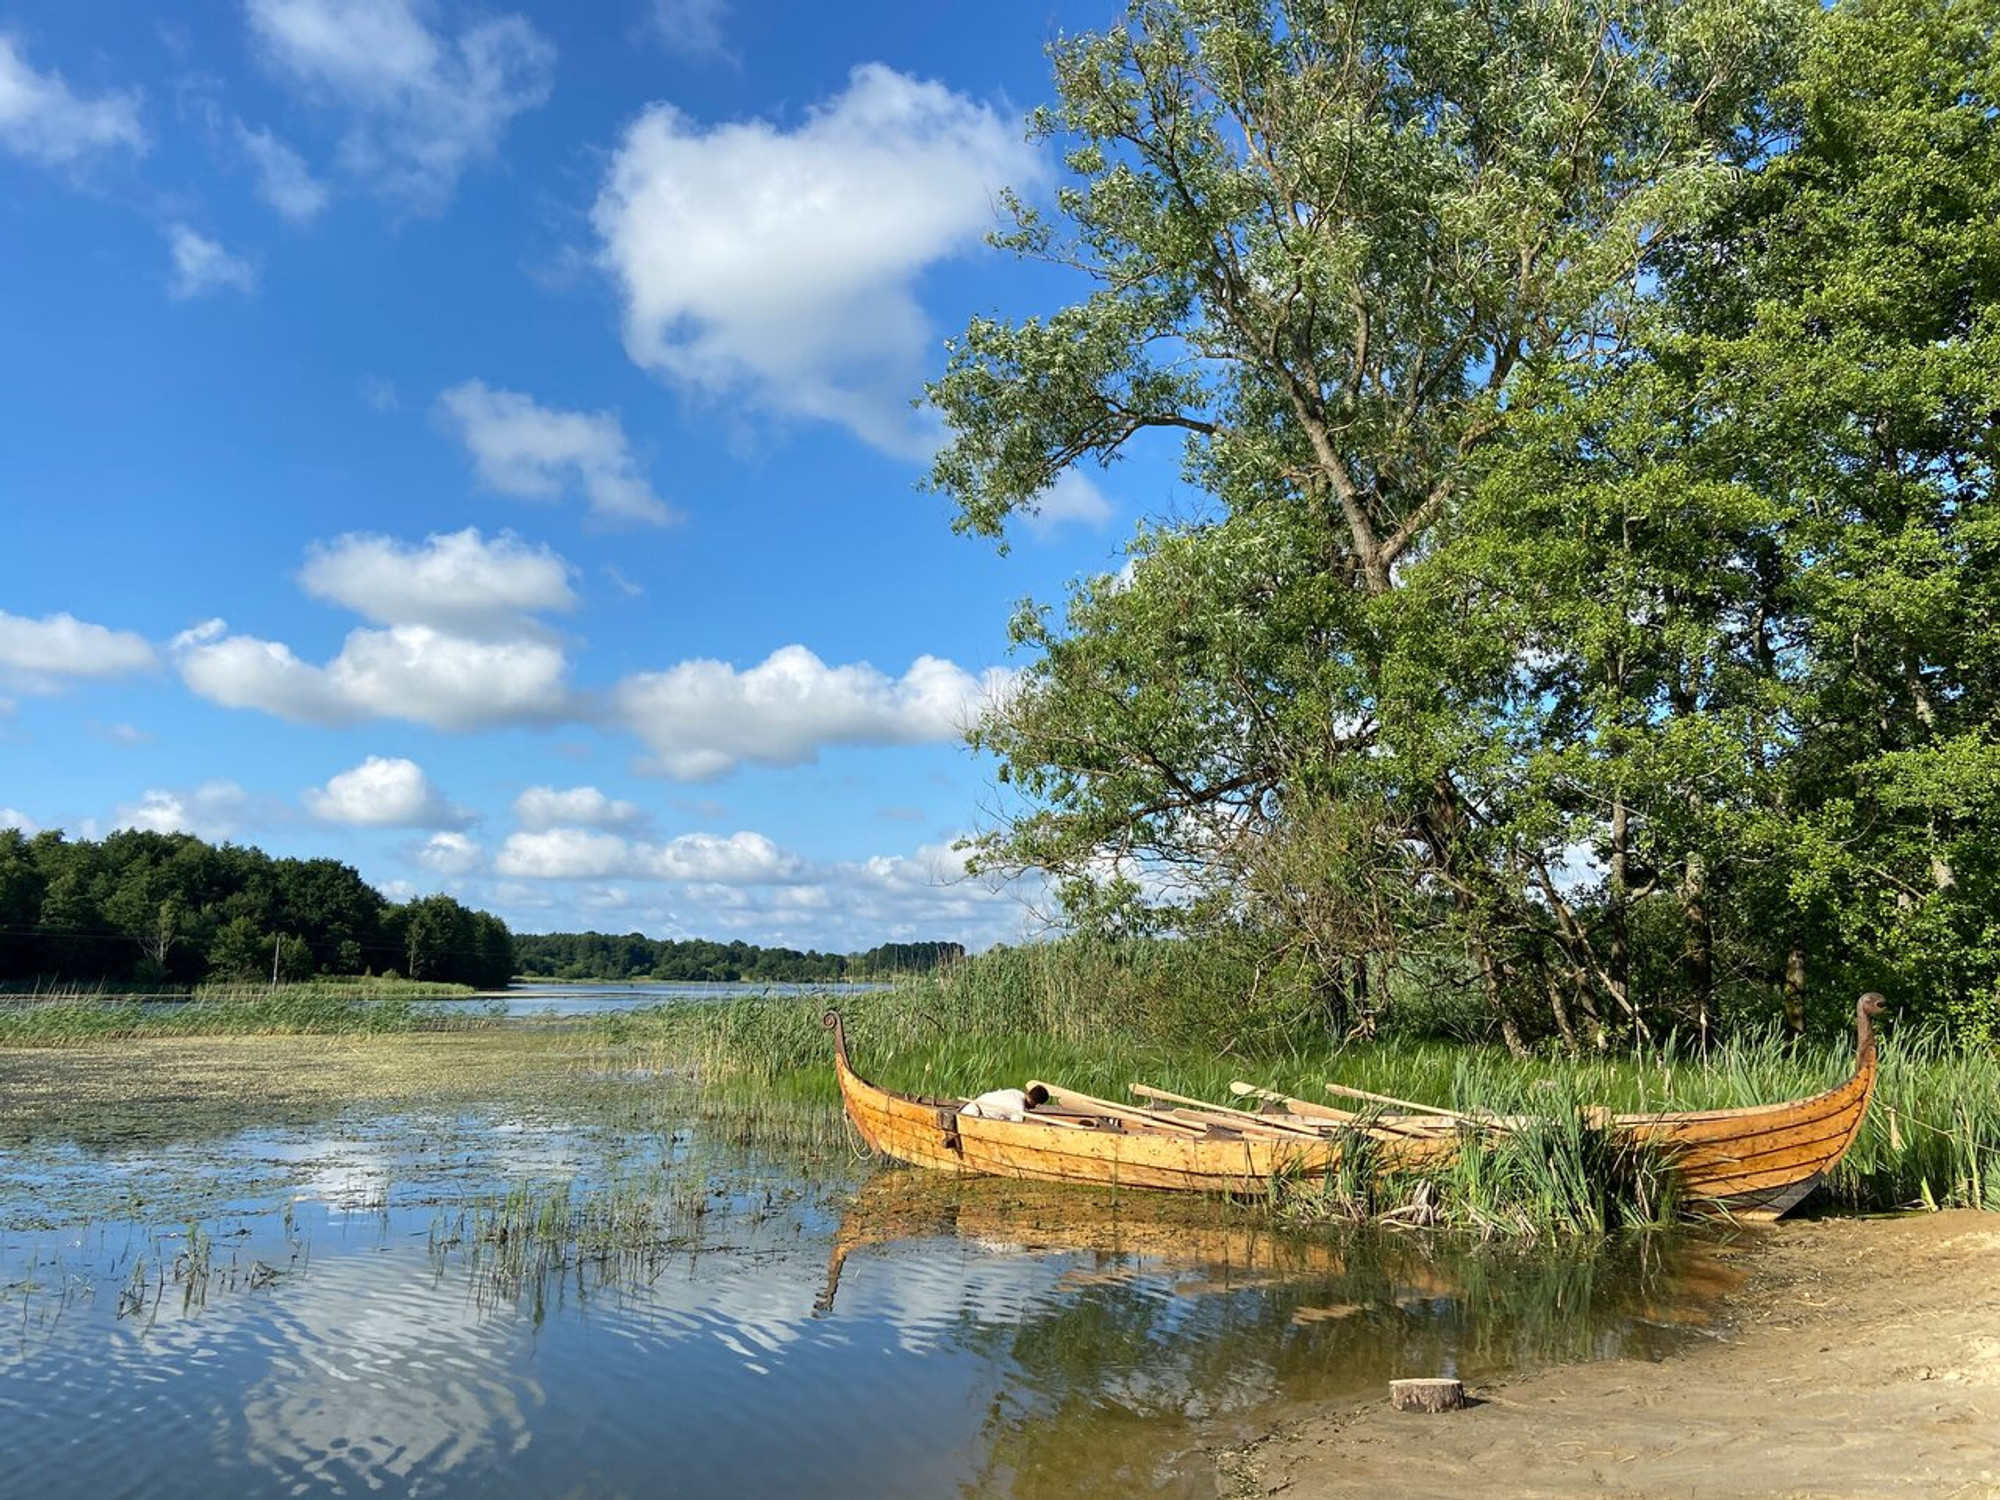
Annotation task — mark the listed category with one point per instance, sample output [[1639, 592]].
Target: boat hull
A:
[[1759, 1163]]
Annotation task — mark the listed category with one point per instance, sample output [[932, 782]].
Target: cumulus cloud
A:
[[200, 265], [43, 121], [577, 806], [418, 105], [384, 792], [592, 854], [783, 263], [283, 179], [460, 647], [1073, 500], [36, 656], [746, 885], [214, 810], [535, 452], [450, 854], [14, 818], [409, 672], [456, 581], [702, 719]]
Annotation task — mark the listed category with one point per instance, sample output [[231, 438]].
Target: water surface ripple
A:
[[479, 1303]]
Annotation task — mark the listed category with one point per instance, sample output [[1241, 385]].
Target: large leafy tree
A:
[[1326, 246]]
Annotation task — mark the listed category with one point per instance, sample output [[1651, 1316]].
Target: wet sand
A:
[[1861, 1358]]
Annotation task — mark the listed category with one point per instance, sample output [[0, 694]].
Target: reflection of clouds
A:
[[926, 1290], [346, 1175], [381, 1381]]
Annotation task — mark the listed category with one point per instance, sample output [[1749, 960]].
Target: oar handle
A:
[[1438, 1110], [1098, 1106], [1222, 1113]]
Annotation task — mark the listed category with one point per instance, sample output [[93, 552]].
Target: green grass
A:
[[1098, 1017], [55, 1018]]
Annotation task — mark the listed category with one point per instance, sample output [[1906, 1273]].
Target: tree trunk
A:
[[1621, 938], [1559, 1008], [1494, 974], [1795, 987], [1700, 946]]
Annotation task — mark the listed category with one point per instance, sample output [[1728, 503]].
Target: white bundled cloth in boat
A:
[[998, 1104]]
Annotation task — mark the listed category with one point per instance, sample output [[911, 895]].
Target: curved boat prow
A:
[[1760, 1163]]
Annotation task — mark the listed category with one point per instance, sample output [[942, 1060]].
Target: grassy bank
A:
[[1099, 1017], [335, 1006]]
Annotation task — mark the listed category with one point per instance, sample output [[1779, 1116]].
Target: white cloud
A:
[[408, 672], [702, 719], [746, 885], [461, 649], [283, 179], [450, 854], [534, 451], [201, 265], [692, 27], [589, 854], [783, 263], [214, 810], [419, 105], [13, 818], [577, 806], [384, 792], [40, 118], [1072, 500], [457, 581], [35, 655]]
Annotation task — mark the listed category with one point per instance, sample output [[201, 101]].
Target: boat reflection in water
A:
[[1175, 1325]]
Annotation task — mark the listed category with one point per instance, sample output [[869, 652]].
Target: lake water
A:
[[606, 1291], [584, 999]]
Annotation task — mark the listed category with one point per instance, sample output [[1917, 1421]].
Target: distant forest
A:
[[167, 908], [600, 955]]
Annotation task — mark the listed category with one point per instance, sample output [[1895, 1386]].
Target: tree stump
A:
[[1427, 1395]]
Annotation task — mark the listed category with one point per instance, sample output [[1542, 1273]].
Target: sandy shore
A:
[[1862, 1358]]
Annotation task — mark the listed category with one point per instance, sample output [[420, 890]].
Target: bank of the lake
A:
[[1861, 1358]]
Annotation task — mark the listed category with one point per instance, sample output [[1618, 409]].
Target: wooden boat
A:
[[1760, 1162], [1085, 1140], [1752, 1163]]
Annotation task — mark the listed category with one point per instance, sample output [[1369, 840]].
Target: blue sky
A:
[[477, 443]]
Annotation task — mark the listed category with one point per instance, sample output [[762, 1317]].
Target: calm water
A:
[[582, 999], [673, 1306]]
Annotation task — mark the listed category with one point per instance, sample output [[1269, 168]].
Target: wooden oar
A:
[[1484, 1122], [1098, 1106], [1223, 1114], [1306, 1109]]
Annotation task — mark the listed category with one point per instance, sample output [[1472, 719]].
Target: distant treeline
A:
[[167, 908], [601, 955]]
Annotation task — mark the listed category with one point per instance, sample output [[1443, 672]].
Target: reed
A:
[[70, 1017], [1092, 1016]]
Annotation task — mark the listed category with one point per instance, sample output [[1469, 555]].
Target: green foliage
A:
[[169, 911], [632, 955], [1598, 580]]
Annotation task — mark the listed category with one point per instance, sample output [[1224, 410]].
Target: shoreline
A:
[[1860, 1358]]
